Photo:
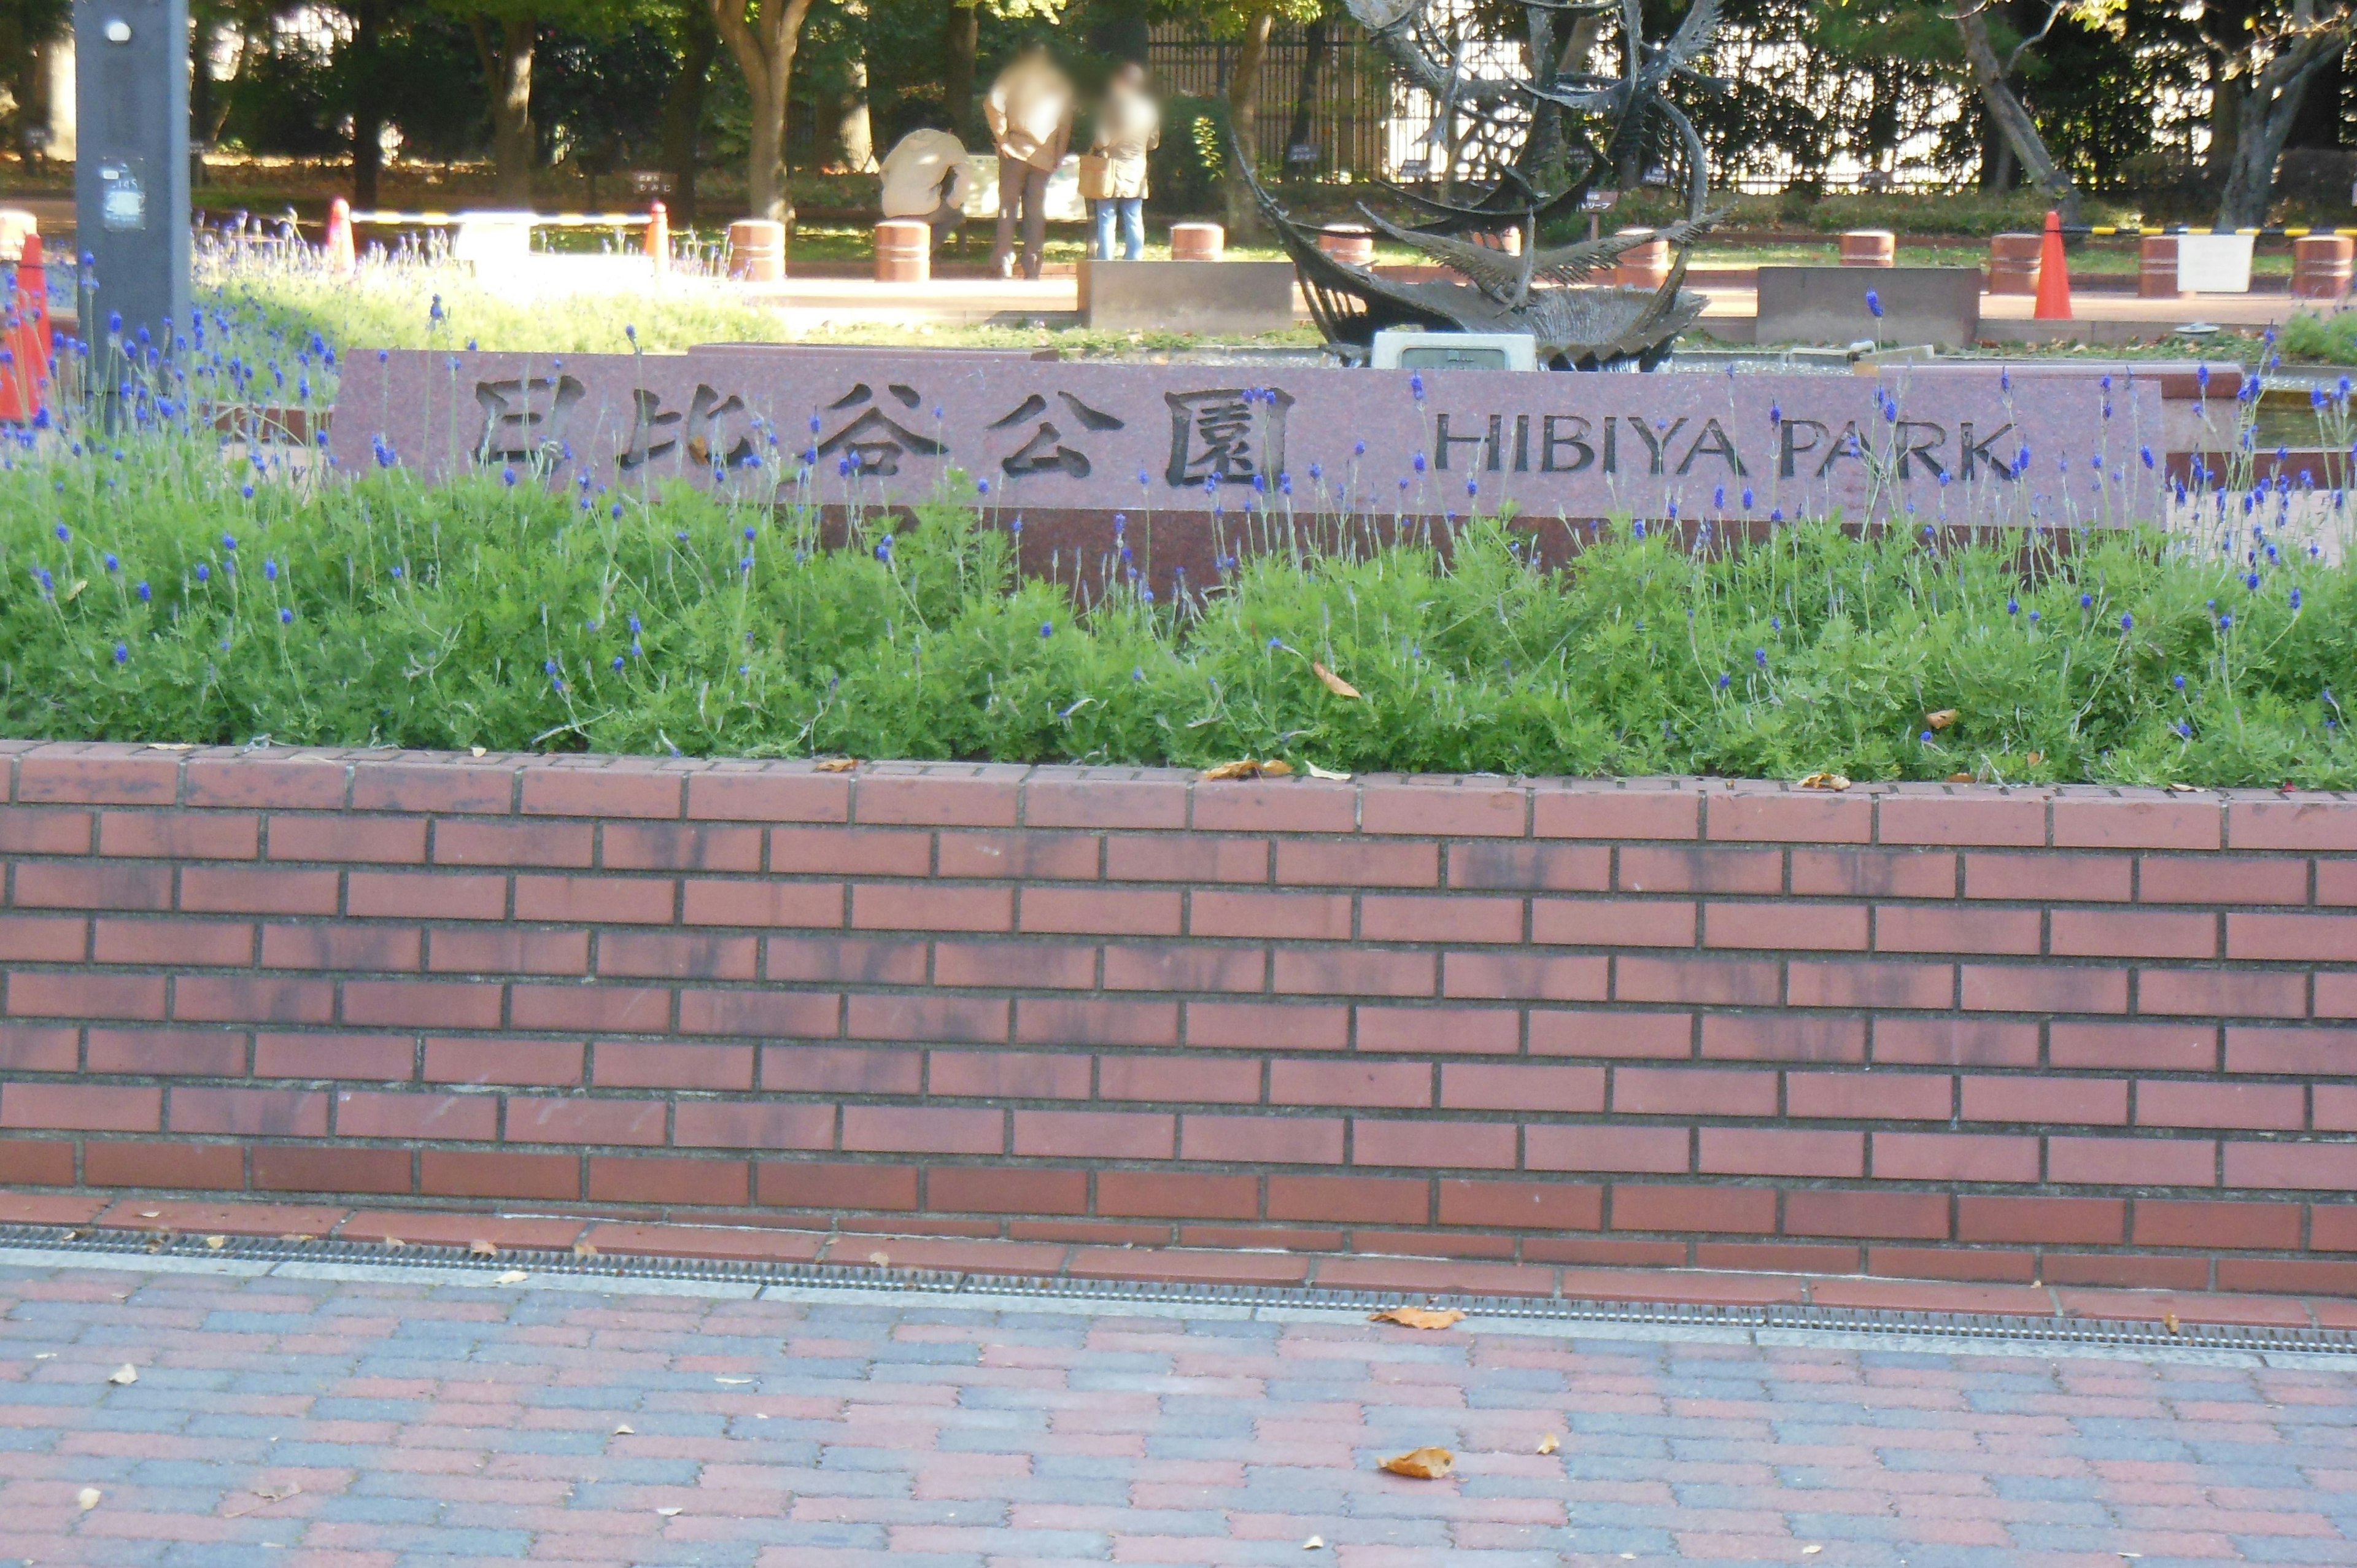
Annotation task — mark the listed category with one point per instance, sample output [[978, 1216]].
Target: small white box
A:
[[1404, 348], [491, 238], [2214, 264]]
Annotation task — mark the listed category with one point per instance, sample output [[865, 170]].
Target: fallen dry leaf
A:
[[512, 1277], [1328, 774], [1418, 1316], [733, 1382], [1334, 684], [1547, 1444], [2033, 757], [268, 1495], [626, 1429], [125, 1374], [87, 1499], [1824, 781], [394, 1243], [668, 1513], [171, 746], [151, 1214], [1420, 1464], [1315, 1543], [481, 1249], [583, 1250], [1960, 777], [216, 1242], [2181, 788], [881, 1260], [1940, 720], [294, 1236], [836, 763], [1811, 1550], [1243, 768], [2168, 1321]]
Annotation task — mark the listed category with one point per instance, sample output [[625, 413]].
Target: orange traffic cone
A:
[[25, 377], [2053, 276], [659, 238], [336, 249]]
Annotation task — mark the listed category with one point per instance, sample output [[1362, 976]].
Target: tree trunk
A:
[[2264, 119], [853, 129], [1305, 87], [507, 72], [963, 43], [368, 101], [1243, 115], [2225, 110], [2020, 131], [765, 44], [683, 114]]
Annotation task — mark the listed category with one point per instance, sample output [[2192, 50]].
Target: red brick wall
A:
[[2082, 1036]]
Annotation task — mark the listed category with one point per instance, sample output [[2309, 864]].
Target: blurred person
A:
[[1030, 111], [1129, 125], [925, 177]]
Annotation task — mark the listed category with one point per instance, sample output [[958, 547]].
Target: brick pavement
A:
[[433, 1422]]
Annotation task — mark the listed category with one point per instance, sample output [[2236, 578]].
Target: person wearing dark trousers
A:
[[1030, 111]]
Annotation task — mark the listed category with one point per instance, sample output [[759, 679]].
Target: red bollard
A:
[[337, 250], [25, 379], [659, 238], [2053, 276]]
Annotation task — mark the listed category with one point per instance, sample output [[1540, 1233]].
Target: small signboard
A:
[[2214, 264]]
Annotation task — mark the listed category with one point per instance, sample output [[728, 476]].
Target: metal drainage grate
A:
[[1994, 1328]]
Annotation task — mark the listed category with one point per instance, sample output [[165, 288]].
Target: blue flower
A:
[[247, 492], [121, 654], [2086, 601], [548, 667], [111, 564], [1419, 462], [1415, 386], [618, 661], [1926, 737], [2252, 580], [2184, 730], [1746, 498], [64, 533], [269, 570], [2127, 623], [204, 572], [2013, 606], [1760, 657], [884, 550], [2295, 598], [508, 477], [286, 615], [145, 593], [1047, 629], [1725, 681], [1874, 303]]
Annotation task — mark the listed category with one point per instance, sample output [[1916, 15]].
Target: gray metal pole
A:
[[131, 177]]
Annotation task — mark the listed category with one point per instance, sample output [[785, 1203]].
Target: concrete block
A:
[[1186, 296], [1827, 305]]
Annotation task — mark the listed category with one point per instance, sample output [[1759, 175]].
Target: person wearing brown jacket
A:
[[1030, 112]]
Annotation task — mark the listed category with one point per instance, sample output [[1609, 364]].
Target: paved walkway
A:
[[392, 1420]]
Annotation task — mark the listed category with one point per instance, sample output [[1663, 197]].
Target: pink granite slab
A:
[[1943, 443]]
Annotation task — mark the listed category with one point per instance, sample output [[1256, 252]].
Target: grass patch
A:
[[149, 592]]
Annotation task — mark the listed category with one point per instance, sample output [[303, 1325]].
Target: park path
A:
[[373, 1415]]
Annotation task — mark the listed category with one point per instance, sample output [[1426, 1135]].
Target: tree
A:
[[682, 110], [506, 35], [764, 36], [1994, 77], [1247, 24], [2282, 58]]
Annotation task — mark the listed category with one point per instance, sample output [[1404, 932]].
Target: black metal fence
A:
[[1322, 103]]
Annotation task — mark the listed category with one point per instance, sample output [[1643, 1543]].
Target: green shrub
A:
[[148, 593]]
